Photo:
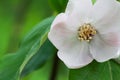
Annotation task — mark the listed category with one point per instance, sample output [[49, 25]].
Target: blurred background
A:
[[17, 18]]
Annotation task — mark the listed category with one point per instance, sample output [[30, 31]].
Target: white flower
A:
[[86, 32]]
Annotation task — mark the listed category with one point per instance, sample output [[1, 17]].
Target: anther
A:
[[86, 32]]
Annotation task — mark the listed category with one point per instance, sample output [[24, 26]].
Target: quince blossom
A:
[[86, 32]]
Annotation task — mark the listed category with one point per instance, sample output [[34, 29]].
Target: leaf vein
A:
[[109, 65]]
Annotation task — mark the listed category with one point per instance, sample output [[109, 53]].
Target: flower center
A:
[[86, 32]]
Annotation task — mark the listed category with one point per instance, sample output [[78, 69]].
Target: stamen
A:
[[86, 32]]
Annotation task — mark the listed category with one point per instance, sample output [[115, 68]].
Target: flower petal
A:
[[78, 11], [78, 5], [61, 35], [106, 15], [102, 51], [59, 18], [112, 38], [76, 57], [65, 39]]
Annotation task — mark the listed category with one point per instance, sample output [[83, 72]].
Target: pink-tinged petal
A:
[[112, 38], [106, 15], [101, 50], [78, 11], [76, 57], [60, 18], [61, 35]]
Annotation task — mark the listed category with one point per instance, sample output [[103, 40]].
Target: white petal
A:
[[112, 38], [76, 57], [102, 51], [60, 18], [61, 35], [106, 14], [103, 9], [78, 5], [78, 11]]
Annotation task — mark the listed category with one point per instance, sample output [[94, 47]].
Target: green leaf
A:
[[12, 65], [97, 71], [117, 60], [118, 0], [58, 5], [63, 4], [43, 54]]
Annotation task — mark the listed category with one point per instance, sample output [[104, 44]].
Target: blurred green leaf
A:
[[58, 5], [63, 4], [118, 0], [93, 1], [38, 74], [12, 65], [97, 71], [43, 54]]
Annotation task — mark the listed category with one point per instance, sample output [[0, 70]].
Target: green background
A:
[[17, 18]]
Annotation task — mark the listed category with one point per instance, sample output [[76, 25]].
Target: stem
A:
[[54, 69]]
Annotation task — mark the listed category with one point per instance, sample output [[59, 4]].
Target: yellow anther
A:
[[86, 32]]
